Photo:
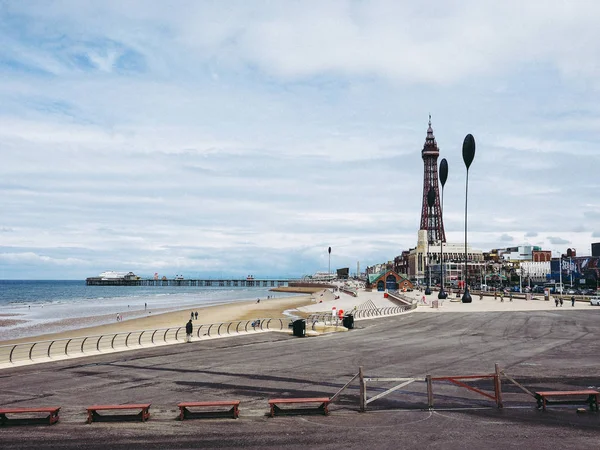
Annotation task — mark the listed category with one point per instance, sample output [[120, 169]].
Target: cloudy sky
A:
[[227, 138]]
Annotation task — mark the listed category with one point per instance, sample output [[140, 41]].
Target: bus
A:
[[555, 288]]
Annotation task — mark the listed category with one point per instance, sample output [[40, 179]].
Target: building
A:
[[535, 271], [390, 281], [425, 254], [541, 255], [596, 249], [343, 274]]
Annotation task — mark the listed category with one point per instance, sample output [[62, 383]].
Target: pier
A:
[[96, 281]]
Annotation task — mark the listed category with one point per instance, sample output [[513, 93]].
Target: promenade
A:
[[548, 348]]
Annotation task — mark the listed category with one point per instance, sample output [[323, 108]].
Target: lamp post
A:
[[443, 177], [468, 152], [430, 203], [329, 266]]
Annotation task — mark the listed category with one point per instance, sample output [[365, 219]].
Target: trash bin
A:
[[299, 328], [348, 321]]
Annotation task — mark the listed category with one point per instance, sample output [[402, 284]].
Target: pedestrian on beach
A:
[[145, 306], [573, 300], [189, 328], [561, 301], [117, 317], [196, 315], [258, 300], [192, 316]]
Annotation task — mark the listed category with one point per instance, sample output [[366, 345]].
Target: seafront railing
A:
[[105, 343], [57, 349], [328, 319]]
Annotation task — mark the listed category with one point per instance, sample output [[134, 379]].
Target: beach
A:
[[243, 310]]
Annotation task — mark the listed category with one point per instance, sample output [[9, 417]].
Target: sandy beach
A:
[[244, 310]]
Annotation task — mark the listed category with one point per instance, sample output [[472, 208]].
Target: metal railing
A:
[[89, 345], [328, 319]]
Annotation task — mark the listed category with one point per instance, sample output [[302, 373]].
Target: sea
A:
[[29, 308]]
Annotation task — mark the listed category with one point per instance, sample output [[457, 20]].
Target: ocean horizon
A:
[[28, 306]]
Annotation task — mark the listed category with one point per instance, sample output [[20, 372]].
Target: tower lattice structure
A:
[[431, 218]]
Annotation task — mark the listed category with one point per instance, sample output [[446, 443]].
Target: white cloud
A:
[[252, 137]]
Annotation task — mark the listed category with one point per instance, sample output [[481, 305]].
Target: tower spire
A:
[[431, 218]]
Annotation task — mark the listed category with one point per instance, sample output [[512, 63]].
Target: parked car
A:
[[595, 300], [538, 289]]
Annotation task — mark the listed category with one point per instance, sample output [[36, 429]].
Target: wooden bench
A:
[[592, 398], [144, 413], [51, 410], [185, 412], [323, 403]]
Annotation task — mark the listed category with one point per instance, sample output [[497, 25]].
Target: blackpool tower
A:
[[431, 218]]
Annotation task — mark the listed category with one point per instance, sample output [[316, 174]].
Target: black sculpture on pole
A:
[[443, 177], [468, 152], [430, 203], [329, 266]]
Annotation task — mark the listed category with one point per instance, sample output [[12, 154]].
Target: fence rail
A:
[[88, 345], [328, 318], [103, 343]]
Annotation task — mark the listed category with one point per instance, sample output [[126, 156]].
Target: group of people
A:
[[558, 300]]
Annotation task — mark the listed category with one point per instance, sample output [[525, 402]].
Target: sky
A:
[[228, 138]]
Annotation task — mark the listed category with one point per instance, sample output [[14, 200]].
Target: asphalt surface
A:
[[546, 350]]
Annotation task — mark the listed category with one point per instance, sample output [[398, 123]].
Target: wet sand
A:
[[271, 308]]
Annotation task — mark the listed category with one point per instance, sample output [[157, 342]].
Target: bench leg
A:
[[181, 412], [90, 418], [145, 414], [3, 419], [593, 402], [236, 411], [53, 418]]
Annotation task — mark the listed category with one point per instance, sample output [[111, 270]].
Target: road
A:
[[541, 349]]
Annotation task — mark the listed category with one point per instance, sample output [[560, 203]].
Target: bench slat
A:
[[132, 406], [299, 400], [215, 403], [557, 393], [48, 409]]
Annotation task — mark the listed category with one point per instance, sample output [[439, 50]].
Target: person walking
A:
[[510, 296], [192, 315], [573, 300], [189, 329], [196, 315], [556, 301], [561, 301]]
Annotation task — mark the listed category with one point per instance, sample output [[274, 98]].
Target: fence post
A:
[[498, 386], [363, 389], [429, 392]]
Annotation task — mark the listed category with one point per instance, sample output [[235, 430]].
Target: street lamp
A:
[[430, 203], [443, 177], [468, 152]]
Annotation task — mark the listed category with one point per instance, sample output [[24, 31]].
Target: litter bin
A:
[[348, 321], [299, 328]]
